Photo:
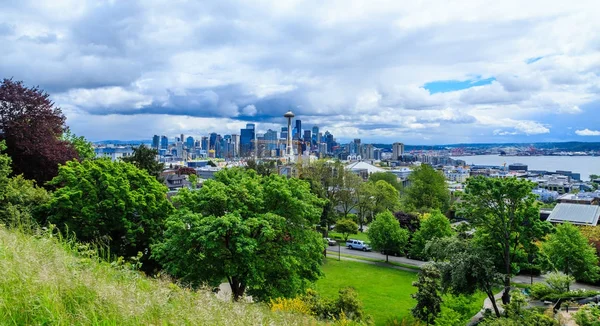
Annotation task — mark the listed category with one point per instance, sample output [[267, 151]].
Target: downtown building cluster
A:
[[249, 143]]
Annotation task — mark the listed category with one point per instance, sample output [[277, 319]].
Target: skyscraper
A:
[[271, 137], [164, 142], [246, 140], [397, 151], [204, 143], [189, 142], [307, 137], [156, 142], [315, 136], [235, 140], [212, 141], [298, 129]]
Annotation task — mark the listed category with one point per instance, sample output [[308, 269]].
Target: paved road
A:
[[333, 250]]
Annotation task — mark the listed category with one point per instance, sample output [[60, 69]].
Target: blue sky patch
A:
[[443, 86]]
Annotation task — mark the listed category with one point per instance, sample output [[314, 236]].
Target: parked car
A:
[[390, 252], [358, 245], [330, 241]]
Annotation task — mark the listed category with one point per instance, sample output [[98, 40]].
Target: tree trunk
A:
[[386, 257], [506, 294], [490, 295], [237, 288]]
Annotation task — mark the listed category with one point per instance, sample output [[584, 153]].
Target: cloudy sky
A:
[[421, 72]]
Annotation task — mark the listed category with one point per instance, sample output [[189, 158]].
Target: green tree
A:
[[386, 234], [110, 202], [22, 203], [326, 179], [502, 210], [427, 190], [346, 227], [464, 267], [435, 226], [569, 251], [428, 295], [5, 170], [144, 158], [346, 196], [388, 177], [84, 148], [263, 168], [256, 232]]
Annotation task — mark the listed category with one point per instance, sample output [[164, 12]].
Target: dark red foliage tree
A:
[[186, 170], [32, 126], [408, 221]]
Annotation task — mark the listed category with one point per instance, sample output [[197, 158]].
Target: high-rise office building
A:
[[397, 151], [156, 142], [189, 142], [271, 138], [235, 140], [204, 143], [212, 141], [298, 129], [307, 137], [164, 142], [315, 136], [247, 137], [284, 132]]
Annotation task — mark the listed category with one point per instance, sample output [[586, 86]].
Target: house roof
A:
[[575, 213], [364, 166]]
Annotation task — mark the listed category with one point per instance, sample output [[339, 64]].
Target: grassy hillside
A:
[[45, 281]]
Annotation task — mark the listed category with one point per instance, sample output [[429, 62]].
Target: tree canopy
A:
[[346, 227], [109, 202], [428, 297], [435, 226], [32, 127], [388, 177], [256, 232], [144, 158], [84, 148], [569, 251], [427, 190], [386, 234], [502, 210]]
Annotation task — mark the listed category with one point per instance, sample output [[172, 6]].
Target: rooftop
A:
[[575, 214]]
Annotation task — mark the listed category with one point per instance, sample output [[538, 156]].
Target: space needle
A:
[[289, 150]]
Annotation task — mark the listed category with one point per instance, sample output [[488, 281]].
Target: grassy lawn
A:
[[360, 236], [385, 292]]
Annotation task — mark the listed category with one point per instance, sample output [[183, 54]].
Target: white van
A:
[[357, 244]]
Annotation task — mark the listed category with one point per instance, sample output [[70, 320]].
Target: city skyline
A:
[[421, 73]]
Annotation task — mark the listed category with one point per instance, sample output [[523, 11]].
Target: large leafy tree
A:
[[347, 195], [256, 232], [436, 225], [464, 267], [110, 202], [375, 197], [502, 210], [20, 198], [568, 250], [84, 148], [32, 127], [428, 297], [427, 190], [144, 158], [346, 227], [326, 180], [386, 234], [388, 177]]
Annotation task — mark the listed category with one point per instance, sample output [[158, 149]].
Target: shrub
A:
[[559, 282], [587, 315], [540, 290], [293, 305]]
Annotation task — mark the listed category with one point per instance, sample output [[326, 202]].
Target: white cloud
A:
[[588, 132], [166, 62]]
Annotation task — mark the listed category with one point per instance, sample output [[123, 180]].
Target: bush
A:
[[588, 315], [559, 282], [346, 306], [540, 290]]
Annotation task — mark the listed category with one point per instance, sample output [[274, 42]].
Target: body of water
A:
[[585, 165]]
